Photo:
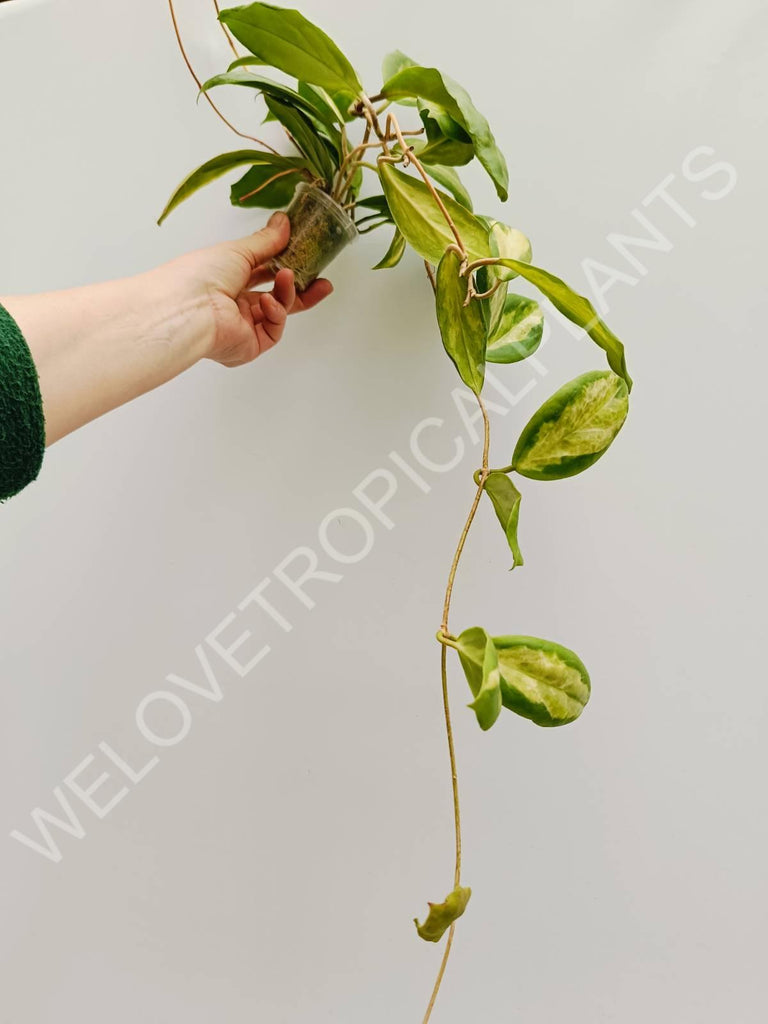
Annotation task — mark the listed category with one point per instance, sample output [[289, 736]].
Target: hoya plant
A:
[[355, 161]]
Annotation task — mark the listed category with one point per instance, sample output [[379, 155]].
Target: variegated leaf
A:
[[481, 667], [422, 223], [442, 915], [505, 498], [517, 333], [508, 243], [462, 328], [541, 680], [578, 309], [573, 428], [394, 253]]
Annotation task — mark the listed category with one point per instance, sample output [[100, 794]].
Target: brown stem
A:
[[444, 680], [489, 293], [230, 40], [342, 192], [486, 261], [441, 972], [200, 86]]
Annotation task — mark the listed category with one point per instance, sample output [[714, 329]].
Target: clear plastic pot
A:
[[320, 229]]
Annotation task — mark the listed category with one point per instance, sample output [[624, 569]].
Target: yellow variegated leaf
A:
[[509, 243], [517, 332], [541, 680], [578, 309], [573, 428], [422, 223]]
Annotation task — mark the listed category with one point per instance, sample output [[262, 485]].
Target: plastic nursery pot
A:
[[320, 229]]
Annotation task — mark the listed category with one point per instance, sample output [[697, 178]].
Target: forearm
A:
[[99, 346]]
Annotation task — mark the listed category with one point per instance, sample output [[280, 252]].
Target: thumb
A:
[[262, 245]]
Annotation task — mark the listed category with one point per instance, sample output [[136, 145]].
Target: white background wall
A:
[[268, 867]]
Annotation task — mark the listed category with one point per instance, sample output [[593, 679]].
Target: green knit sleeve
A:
[[22, 427]]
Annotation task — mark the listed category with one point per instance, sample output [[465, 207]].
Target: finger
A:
[[260, 246], [274, 317], [285, 289], [317, 291]]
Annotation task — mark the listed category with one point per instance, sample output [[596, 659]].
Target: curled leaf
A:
[[505, 498], [438, 90], [573, 428], [447, 142], [442, 915], [394, 253], [480, 662], [219, 165], [578, 309]]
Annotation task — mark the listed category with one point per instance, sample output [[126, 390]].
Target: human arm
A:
[[101, 345]]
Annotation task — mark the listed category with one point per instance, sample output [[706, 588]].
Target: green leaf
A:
[[445, 176], [573, 428], [448, 178], [461, 327], [394, 62], [439, 123], [378, 203], [277, 193], [541, 680], [214, 168], [314, 108], [419, 218], [431, 85], [394, 253], [442, 915], [261, 84], [579, 310], [506, 501], [304, 135], [447, 143], [324, 103], [245, 62], [285, 39], [480, 662], [517, 334]]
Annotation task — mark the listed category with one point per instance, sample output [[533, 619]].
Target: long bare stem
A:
[[441, 972], [480, 479], [230, 40], [200, 86]]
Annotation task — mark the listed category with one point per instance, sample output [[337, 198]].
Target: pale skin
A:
[[99, 346]]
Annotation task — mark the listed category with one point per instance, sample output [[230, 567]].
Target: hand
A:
[[222, 278]]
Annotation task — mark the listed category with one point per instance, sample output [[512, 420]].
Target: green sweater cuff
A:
[[22, 426]]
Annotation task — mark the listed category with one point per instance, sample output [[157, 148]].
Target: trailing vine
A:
[[470, 261]]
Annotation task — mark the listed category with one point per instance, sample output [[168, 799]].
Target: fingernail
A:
[[276, 219]]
